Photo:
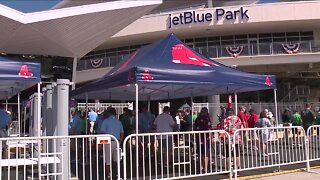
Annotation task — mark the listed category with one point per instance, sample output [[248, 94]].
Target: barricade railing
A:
[[82, 157], [176, 155], [268, 147], [313, 154]]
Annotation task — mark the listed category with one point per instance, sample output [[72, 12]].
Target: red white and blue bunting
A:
[[96, 63], [234, 51], [291, 48]]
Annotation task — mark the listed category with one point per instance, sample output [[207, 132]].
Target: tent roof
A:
[[68, 32], [17, 76], [170, 69]]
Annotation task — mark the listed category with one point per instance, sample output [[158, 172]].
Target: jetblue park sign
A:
[[192, 17]]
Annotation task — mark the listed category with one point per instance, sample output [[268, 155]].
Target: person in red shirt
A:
[[203, 123], [243, 117], [253, 118]]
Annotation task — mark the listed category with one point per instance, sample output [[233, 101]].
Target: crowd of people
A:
[[107, 123]]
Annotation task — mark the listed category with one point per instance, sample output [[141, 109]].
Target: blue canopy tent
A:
[[169, 69], [17, 76]]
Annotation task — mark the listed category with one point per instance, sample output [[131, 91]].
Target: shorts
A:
[[236, 148], [204, 149], [305, 127], [110, 152]]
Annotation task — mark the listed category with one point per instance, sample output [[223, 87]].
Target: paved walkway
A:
[[313, 175]]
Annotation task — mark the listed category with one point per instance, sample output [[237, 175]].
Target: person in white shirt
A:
[[165, 123]]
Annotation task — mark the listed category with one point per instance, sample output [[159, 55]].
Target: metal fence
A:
[[176, 155], [103, 106], [269, 147], [313, 134], [258, 107], [172, 155], [69, 157]]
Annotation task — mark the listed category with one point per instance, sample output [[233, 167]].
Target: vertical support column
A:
[[62, 126], [6, 104], [86, 110], [44, 112], [39, 109], [19, 115], [54, 110], [31, 116], [214, 109], [276, 106], [137, 128], [210, 4], [74, 72], [192, 111], [35, 118], [236, 103], [51, 122]]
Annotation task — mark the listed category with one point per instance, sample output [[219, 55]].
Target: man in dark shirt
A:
[[308, 117]]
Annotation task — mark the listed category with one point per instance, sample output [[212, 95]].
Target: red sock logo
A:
[[183, 55], [24, 72]]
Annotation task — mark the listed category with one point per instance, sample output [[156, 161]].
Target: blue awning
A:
[[16, 76], [169, 69]]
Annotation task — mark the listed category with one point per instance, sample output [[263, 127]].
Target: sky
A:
[[40, 5], [30, 5]]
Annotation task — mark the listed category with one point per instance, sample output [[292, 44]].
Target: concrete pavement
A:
[[314, 174]]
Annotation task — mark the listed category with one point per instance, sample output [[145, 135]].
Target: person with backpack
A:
[[296, 120], [308, 117]]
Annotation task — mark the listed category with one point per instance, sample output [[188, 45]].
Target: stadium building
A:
[[281, 38], [267, 37]]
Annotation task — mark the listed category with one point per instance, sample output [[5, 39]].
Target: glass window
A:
[[217, 38], [306, 33], [214, 43], [242, 36], [200, 40], [188, 41], [265, 40], [241, 41], [230, 42], [279, 34], [306, 38], [293, 34], [226, 38], [293, 39], [200, 44], [279, 39], [253, 35], [265, 35]]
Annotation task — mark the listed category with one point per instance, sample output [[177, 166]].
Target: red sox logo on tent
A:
[[24, 72], [183, 55], [146, 75], [268, 81]]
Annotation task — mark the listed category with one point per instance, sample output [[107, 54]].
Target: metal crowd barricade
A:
[[176, 155], [39, 158], [269, 147], [313, 134]]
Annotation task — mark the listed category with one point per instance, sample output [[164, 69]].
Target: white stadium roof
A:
[[69, 32]]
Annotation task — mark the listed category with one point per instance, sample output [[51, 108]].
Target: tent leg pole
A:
[[236, 102], [149, 104], [276, 106], [24, 120], [19, 114], [6, 104], [74, 72], [86, 110], [137, 128], [192, 113], [39, 110]]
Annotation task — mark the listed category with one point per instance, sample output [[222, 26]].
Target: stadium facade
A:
[[281, 38]]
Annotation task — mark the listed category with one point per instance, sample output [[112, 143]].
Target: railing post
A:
[[308, 148]]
